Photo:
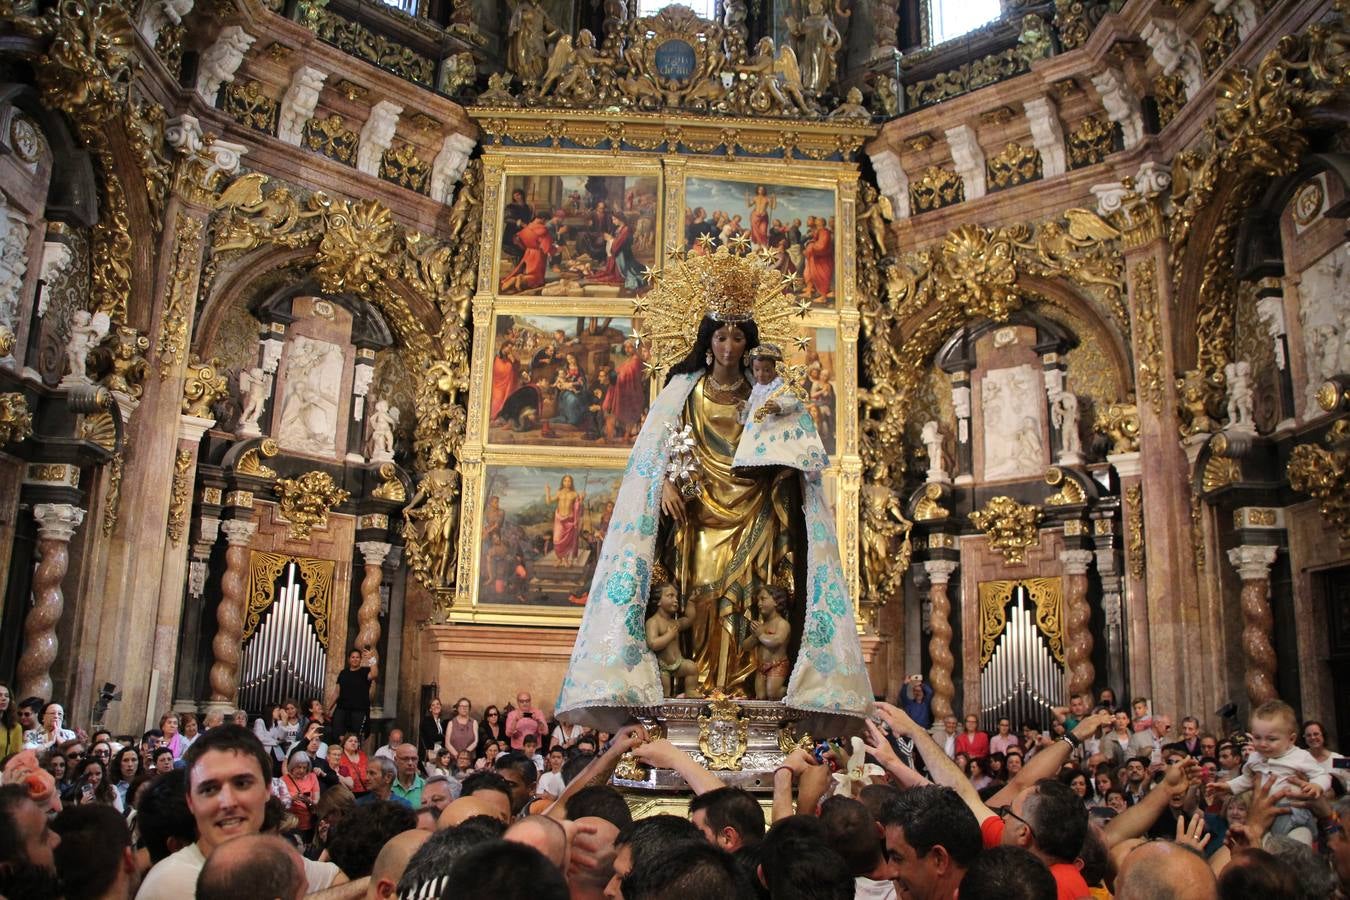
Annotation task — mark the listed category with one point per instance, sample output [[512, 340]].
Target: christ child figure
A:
[[769, 637], [764, 360], [663, 632]]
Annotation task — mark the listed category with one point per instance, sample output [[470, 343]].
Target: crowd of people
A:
[[505, 802]]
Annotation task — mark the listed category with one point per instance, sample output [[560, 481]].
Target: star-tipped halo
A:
[[724, 285]]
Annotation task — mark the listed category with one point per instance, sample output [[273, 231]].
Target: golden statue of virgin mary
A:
[[720, 506]]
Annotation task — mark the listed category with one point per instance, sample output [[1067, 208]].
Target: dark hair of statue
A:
[[697, 358]]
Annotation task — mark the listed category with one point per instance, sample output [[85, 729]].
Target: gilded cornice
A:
[[638, 132]]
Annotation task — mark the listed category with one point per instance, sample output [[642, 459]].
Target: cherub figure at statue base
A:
[[663, 633], [769, 639]]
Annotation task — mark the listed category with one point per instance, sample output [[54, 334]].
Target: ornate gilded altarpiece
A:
[[560, 382]]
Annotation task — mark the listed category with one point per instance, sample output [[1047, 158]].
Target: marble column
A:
[[174, 568], [368, 615], [1253, 564], [1077, 622], [227, 645], [56, 525], [130, 586], [940, 636], [1172, 593]]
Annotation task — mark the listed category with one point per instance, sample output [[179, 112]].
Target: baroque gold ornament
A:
[[1259, 131], [1010, 526], [16, 422], [1324, 474], [306, 501], [179, 495], [203, 385], [1119, 422], [360, 248], [723, 734]]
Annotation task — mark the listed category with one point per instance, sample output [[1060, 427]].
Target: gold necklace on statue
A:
[[726, 388]]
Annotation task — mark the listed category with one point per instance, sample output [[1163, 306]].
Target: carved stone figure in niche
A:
[[1240, 416], [818, 40], [663, 632], [527, 38], [1324, 312], [1064, 413], [380, 444], [86, 330], [433, 515], [1012, 404], [309, 412], [254, 387], [932, 444]]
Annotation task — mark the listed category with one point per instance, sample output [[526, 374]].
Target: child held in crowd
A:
[[1274, 729]]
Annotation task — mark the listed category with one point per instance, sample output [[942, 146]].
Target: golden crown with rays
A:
[[729, 284]]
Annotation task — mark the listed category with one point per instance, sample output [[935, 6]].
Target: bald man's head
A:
[[254, 865], [1162, 870], [543, 834], [594, 837], [484, 804], [391, 862]]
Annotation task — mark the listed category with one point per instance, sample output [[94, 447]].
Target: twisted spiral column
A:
[[1077, 621], [368, 615], [1253, 564], [940, 636], [227, 645], [56, 525]]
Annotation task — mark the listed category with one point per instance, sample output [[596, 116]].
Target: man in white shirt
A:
[[228, 787], [390, 750]]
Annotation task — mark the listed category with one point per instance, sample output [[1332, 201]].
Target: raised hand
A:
[[1193, 835]]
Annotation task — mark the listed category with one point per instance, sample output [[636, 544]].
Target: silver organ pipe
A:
[[1022, 680], [283, 659]]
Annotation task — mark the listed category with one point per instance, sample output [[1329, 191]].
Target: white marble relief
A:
[[1012, 419], [309, 410]]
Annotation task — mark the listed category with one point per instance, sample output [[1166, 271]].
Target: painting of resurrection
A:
[[541, 533]]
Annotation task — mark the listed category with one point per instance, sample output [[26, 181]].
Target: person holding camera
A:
[[350, 710], [916, 699]]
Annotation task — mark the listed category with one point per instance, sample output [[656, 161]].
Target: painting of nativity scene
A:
[[569, 381], [542, 532], [577, 235]]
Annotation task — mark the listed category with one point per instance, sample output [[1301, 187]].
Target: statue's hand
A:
[[672, 504]]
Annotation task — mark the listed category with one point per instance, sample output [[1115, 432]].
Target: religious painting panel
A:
[[817, 352], [793, 222], [539, 534], [577, 235], [566, 381]]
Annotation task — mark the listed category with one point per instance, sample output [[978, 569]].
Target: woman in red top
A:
[[303, 786], [352, 769], [973, 742]]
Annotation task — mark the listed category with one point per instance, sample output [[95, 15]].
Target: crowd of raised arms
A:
[[1115, 799]]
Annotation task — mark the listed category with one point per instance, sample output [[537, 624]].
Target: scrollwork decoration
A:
[[1324, 474], [1010, 526], [305, 502]]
